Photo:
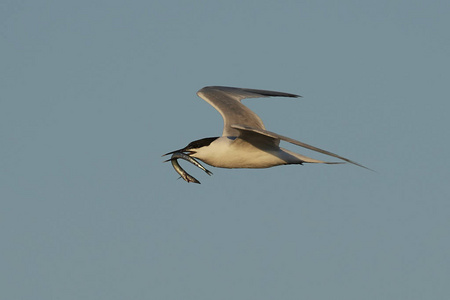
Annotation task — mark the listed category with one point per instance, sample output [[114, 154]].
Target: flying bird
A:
[[245, 142]]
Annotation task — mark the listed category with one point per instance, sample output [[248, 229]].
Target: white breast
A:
[[228, 153]]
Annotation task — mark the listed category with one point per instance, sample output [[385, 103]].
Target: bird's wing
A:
[[273, 135], [227, 101]]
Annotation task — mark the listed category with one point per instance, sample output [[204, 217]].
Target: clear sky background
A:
[[93, 92]]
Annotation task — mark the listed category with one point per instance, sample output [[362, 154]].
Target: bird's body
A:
[[245, 143], [229, 152]]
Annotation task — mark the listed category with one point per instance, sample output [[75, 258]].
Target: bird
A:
[[245, 142]]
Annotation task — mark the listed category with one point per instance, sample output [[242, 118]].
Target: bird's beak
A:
[[181, 150], [187, 152]]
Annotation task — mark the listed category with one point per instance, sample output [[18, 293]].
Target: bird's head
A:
[[192, 147]]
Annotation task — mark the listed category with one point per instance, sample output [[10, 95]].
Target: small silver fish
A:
[[191, 160], [187, 177]]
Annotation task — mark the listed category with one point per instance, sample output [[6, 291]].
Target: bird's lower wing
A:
[[292, 141], [227, 101]]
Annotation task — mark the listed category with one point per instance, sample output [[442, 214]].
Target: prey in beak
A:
[[184, 151], [185, 175]]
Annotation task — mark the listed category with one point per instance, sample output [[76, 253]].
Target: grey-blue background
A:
[[93, 92]]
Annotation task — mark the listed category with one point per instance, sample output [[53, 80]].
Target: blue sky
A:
[[93, 92]]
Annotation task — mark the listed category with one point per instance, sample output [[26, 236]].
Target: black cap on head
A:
[[200, 143], [195, 145]]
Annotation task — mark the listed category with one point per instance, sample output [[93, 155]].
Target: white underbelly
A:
[[244, 155]]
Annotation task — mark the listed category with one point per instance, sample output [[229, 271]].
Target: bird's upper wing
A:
[[272, 135], [227, 101]]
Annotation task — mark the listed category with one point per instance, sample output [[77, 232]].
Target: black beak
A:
[[187, 152], [181, 150]]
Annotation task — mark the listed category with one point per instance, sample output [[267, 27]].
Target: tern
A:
[[245, 142]]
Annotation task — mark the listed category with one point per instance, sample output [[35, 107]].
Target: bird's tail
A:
[[306, 159]]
